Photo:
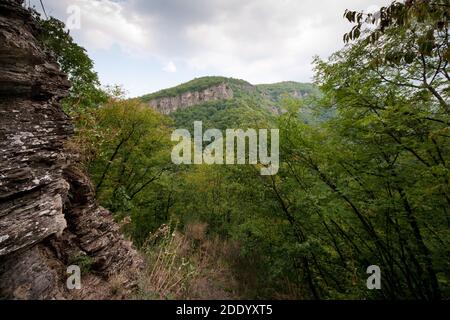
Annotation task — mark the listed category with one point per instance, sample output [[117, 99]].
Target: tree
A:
[[133, 154], [85, 91]]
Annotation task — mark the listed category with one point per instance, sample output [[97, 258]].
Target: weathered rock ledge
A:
[[48, 213], [167, 105]]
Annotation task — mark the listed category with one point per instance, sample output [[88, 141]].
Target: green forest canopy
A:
[[365, 186]]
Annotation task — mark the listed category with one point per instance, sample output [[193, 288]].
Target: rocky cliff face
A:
[[48, 215], [167, 105]]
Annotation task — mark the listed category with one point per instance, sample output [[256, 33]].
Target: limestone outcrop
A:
[[49, 218], [167, 105]]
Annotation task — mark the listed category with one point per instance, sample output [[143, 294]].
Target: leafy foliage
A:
[[425, 23], [73, 59], [133, 153]]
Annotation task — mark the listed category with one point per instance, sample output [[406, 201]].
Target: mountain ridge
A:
[[200, 91]]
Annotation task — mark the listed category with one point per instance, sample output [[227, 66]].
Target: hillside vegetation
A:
[[251, 104], [197, 84], [363, 176]]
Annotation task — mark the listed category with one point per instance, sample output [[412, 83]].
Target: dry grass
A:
[[117, 283], [186, 266], [196, 231]]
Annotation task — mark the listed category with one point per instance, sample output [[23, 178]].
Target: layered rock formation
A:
[[167, 105], [48, 215]]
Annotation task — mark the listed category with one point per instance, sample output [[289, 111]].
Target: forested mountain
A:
[[226, 102]]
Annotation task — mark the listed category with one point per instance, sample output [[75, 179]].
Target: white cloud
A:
[[170, 67], [257, 40], [105, 23]]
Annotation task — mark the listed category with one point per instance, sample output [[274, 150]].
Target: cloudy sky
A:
[[147, 45]]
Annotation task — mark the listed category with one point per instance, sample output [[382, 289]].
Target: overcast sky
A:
[[147, 45]]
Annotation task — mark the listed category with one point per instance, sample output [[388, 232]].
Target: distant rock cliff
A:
[[200, 91], [167, 105], [48, 215]]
